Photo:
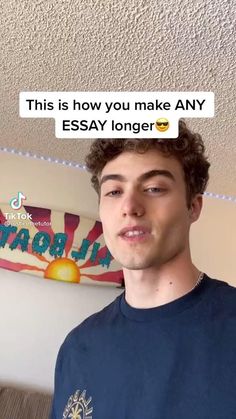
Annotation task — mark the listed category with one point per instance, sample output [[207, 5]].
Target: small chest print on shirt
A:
[[78, 407]]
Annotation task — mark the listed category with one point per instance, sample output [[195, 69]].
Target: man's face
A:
[[143, 209]]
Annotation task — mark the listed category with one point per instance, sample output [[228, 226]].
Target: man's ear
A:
[[195, 208]]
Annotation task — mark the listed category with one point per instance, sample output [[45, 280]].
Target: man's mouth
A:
[[134, 232]]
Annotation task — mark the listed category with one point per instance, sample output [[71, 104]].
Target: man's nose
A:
[[132, 205]]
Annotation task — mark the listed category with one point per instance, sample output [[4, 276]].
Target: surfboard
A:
[[56, 245]]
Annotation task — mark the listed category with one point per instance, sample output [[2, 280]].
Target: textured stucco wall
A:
[[119, 45]]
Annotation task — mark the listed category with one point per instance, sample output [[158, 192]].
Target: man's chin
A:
[[137, 260], [137, 265]]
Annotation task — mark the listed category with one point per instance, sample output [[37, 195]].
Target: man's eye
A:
[[113, 193], [154, 189]]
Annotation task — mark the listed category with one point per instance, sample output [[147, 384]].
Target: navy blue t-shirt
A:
[[175, 361]]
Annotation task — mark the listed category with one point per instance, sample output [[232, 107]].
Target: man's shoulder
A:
[[224, 296], [222, 287], [94, 324]]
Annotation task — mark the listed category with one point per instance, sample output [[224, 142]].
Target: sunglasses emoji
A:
[[162, 124]]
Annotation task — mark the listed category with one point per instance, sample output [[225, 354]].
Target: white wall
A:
[[213, 239], [36, 314]]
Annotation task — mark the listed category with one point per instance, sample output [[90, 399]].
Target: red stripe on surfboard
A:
[[71, 224], [40, 215], [17, 267], [2, 218], [107, 277], [95, 232]]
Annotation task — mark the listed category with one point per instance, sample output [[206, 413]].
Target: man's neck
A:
[[159, 285]]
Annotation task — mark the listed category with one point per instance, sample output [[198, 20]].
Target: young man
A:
[[165, 348]]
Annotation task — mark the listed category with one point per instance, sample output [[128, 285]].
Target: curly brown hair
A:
[[188, 148]]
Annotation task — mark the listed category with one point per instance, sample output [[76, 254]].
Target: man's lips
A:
[[134, 232]]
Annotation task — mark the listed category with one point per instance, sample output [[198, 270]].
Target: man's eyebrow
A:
[[105, 178], [156, 172], [141, 178]]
